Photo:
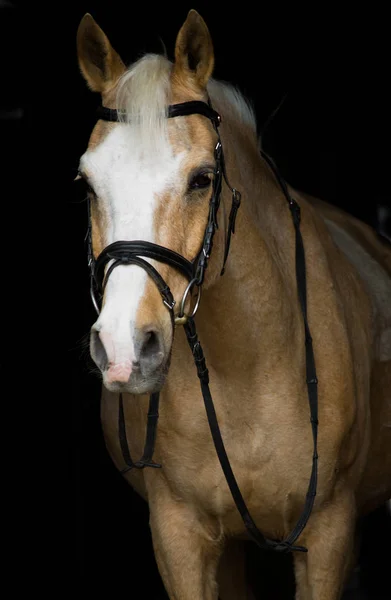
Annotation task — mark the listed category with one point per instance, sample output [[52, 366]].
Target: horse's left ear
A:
[[194, 57]]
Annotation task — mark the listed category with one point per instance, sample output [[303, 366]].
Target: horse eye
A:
[[200, 181]]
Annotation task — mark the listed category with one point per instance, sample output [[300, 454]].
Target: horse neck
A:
[[257, 295]]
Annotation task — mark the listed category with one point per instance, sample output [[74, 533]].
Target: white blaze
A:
[[127, 182]]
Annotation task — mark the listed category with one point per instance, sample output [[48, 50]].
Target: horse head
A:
[[148, 178]]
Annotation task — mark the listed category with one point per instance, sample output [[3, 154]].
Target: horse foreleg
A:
[[187, 550], [329, 536]]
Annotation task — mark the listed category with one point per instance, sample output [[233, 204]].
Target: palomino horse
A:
[[154, 188]]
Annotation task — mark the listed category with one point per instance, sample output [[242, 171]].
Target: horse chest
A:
[[273, 487]]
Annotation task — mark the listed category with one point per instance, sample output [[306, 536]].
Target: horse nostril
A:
[[151, 343], [97, 350], [152, 349]]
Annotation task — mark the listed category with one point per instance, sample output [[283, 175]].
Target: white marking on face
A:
[[127, 180]]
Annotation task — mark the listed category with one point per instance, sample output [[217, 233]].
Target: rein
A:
[[125, 253]]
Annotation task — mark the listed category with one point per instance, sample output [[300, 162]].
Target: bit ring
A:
[[181, 318]]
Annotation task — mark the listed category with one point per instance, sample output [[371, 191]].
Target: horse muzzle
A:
[[138, 366]]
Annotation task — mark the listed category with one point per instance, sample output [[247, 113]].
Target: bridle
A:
[[132, 252], [124, 252]]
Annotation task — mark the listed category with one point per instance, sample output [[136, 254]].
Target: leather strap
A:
[[146, 459], [123, 251], [203, 374], [182, 109]]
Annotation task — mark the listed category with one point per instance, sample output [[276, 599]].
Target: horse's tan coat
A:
[[250, 327]]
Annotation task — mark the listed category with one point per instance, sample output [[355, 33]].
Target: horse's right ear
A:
[[194, 57], [99, 63]]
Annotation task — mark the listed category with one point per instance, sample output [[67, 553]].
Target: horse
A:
[[158, 191]]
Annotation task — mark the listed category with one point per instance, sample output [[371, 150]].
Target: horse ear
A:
[[194, 57], [99, 63]]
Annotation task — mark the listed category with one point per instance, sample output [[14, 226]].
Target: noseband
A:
[[132, 252]]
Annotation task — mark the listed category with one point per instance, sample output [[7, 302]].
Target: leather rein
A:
[[131, 252]]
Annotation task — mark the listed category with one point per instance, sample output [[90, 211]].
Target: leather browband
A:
[[182, 109]]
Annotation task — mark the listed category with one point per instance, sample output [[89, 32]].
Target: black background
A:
[[329, 138]]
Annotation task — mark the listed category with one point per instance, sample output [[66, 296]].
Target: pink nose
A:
[[119, 372], [118, 360]]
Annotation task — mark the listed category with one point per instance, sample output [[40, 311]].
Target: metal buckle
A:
[[218, 149], [168, 304]]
